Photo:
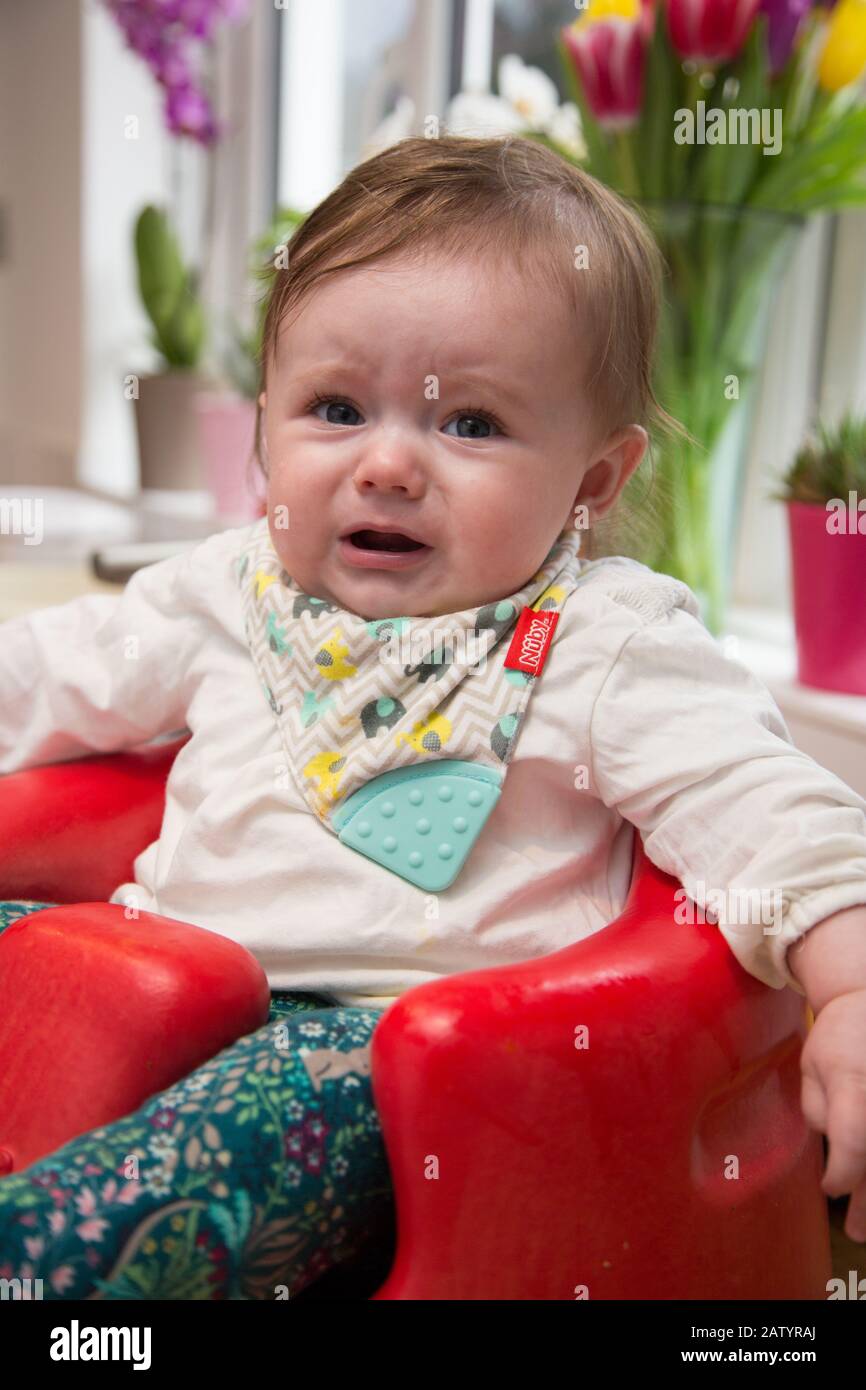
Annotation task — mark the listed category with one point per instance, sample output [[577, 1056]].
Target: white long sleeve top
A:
[[638, 720]]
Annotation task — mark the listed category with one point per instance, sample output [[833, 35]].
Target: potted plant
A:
[[227, 417], [168, 446], [825, 493], [176, 41]]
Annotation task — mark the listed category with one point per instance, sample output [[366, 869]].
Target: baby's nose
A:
[[392, 467]]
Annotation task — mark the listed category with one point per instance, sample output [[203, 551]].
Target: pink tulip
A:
[[710, 31], [608, 52]]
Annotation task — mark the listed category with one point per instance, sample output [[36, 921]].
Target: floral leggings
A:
[[247, 1179]]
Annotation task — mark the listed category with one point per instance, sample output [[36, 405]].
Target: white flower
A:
[[528, 100], [311, 1030], [481, 116], [157, 1183], [161, 1144], [565, 129], [529, 90]]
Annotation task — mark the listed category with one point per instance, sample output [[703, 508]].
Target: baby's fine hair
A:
[[517, 200]]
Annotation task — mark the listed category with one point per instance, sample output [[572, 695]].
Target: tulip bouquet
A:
[[726, 122]]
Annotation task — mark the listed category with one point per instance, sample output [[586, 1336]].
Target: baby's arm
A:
[[830, 963], [692, 749], [99, 673]]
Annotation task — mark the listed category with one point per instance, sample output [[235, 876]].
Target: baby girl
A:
[[425, 723]]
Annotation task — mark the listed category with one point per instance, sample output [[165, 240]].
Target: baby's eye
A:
[[474, 419], [335, 404]]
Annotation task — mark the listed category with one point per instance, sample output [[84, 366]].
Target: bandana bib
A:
[[399, 731]]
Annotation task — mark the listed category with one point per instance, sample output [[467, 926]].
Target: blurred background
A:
[[155, 154]]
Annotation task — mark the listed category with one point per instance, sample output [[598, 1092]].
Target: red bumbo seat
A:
[[619, 1119], [100, 1012]]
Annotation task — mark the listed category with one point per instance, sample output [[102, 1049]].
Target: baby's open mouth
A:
[[384, 540]]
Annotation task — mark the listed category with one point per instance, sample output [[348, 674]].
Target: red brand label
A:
[[531, 641]]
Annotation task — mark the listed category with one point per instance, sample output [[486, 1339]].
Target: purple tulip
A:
[[785, 18]]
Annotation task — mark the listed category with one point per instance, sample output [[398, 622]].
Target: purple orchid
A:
[[163, 33]]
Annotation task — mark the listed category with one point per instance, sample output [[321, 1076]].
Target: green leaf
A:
[[839, 150], [731, 168], [225, 1223], [168, 291], [134, 1283], [654, 135], [830, 464]]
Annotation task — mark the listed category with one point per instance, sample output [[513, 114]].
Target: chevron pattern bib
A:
[[398, 731]]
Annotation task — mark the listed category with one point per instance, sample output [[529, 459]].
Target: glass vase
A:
[[724, 264]]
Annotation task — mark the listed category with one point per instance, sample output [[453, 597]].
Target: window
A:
[[306, 85], [345, 65]]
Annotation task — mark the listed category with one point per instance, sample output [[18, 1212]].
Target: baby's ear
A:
[[263, 400], [608, 473]]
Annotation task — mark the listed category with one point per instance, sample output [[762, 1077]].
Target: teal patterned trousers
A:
[[248, 1179]]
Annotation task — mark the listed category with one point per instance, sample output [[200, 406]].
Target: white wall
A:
[[120, 175], [40, 189], [786, 398]]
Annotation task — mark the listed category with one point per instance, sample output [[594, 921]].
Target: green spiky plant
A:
[[830, 465], [169, 292]]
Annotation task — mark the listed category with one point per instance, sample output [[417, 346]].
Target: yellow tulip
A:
[[843, 57], [607, 9]]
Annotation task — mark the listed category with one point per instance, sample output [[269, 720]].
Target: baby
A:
[[424, 722]]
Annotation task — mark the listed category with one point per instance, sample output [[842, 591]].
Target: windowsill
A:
[[52, 561], [763, 639]]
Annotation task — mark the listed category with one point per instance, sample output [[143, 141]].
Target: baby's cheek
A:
[[499, 534], [289, 505]]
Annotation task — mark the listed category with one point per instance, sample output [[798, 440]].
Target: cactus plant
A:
[[169, 291]]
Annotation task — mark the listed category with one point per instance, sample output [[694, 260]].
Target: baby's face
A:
[[457, 420]]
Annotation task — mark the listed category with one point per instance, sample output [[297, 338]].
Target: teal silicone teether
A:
[[421, 821]]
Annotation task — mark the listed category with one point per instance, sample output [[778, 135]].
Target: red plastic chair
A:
[[524, 1166]]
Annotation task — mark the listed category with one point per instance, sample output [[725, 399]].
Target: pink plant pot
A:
[[828, 570], [226, 427]]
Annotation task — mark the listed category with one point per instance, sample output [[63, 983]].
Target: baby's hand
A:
[[833, 1097]]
